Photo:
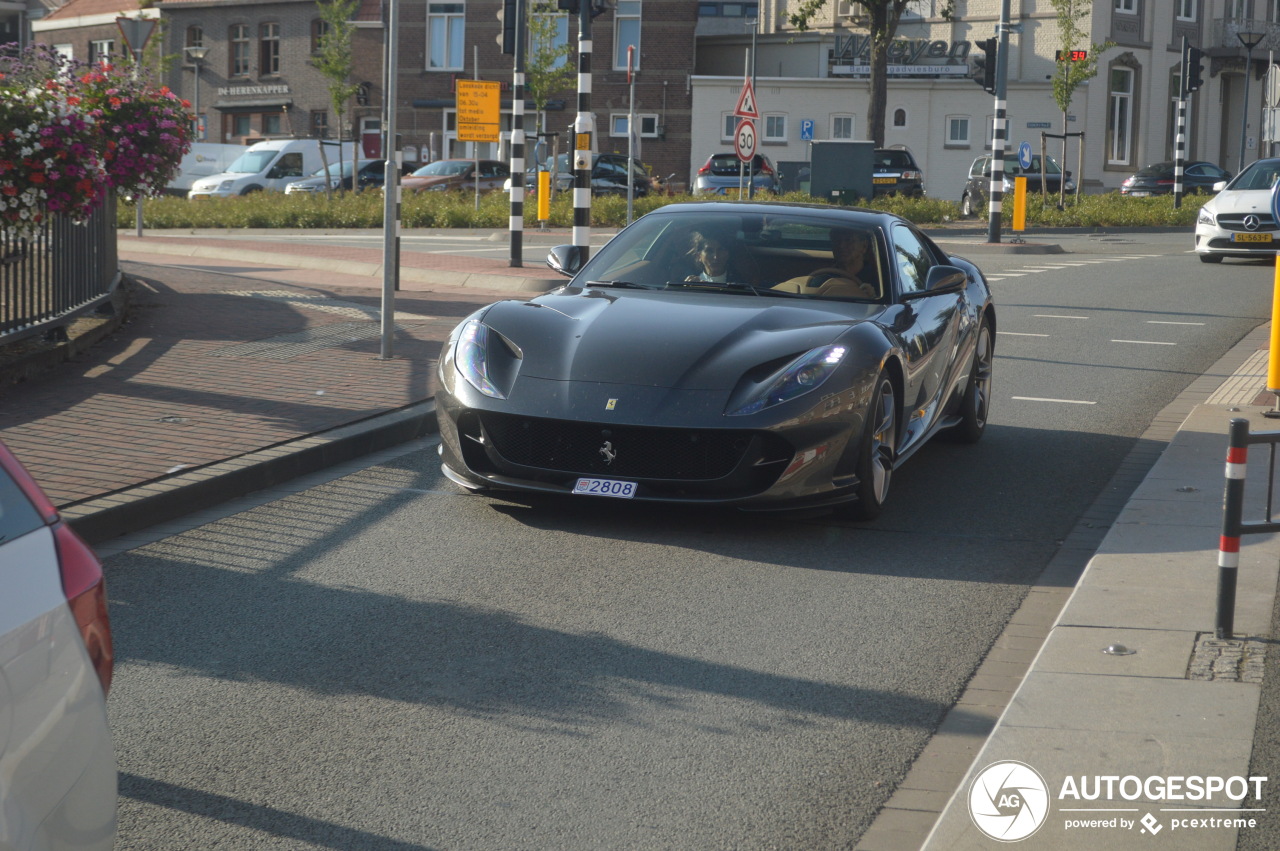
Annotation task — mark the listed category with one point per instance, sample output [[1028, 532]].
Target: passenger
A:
[[711, 253]]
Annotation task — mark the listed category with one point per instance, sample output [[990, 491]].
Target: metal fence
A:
[[63, 271]]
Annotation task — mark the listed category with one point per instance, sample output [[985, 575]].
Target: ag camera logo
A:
[[1008, 801]]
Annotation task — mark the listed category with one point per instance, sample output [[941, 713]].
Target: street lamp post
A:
[[751, 167], [1250, 40], [197, 55]]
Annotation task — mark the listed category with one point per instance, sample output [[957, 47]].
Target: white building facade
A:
[[813, 85]]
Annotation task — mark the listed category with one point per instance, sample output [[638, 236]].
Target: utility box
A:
[[842, 170]]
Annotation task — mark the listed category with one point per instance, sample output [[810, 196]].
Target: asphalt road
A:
[[384, 662]]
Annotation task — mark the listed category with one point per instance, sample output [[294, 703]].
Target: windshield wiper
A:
[[628, 285], [735, 286]]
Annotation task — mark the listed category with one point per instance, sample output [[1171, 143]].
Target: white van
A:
[[205, 159], [270, 165]]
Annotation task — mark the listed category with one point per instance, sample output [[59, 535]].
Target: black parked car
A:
[[896, 173], [608, 176], [371, 175], [1157, 179], [974, 196]]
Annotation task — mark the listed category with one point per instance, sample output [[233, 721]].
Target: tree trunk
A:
[[879, 73]]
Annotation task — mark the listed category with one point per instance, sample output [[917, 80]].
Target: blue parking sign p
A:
[[806, 130]]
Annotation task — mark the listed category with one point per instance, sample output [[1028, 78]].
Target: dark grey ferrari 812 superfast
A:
[[764, 356]]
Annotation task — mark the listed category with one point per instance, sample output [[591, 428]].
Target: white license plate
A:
[[605, 487], [1140, 194]]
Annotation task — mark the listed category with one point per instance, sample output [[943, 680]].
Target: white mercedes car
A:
[[1238, 222]]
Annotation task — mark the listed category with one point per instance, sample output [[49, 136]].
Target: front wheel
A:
[[976, 404], [876, 452], [966, 207]]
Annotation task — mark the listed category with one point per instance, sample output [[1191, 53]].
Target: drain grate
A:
[[291, 345]]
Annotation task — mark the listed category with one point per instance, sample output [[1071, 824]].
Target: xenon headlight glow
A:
[[802, 375]]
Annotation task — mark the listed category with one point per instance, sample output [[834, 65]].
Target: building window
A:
[[445, 33], [1128, 7], [626, 33], [552, 35], [729, 126], [646, 123], [1187, 10], [195, 37], [1237, 10], [241, 125], [271, 124], [239, 39], [958, 131], [899, 117], [842, 127], [775, 128], [1120, 117], [100, 51], [319, 29], [320, 124], [269, 50]]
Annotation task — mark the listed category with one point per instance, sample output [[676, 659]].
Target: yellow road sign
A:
[[478, 110]]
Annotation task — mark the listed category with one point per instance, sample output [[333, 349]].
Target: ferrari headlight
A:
[[802, 375], [471, 355], [1205, 218]]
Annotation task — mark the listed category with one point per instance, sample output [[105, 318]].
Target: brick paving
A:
[[166, 392]]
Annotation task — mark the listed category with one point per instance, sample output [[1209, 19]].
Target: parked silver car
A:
[[723, 174]]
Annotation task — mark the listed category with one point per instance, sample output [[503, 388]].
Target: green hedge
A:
[[459, 210]]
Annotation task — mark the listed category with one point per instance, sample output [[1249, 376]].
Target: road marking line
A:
[[1145, 342], [1056, 316], [1017, 334], [1059, 401], [1163, 322]]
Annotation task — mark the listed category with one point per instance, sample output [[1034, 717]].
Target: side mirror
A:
[[565, 259], [943, 279], [1219, 186], [1068, 174]]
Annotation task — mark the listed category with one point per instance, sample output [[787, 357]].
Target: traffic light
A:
[[598, 7], [1192, 69], [984, 67], [507, 26]]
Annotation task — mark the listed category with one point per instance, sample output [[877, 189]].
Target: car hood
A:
[[1241, 201], [682, 340]]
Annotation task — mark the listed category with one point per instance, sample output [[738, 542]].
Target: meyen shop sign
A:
[[856, 49]]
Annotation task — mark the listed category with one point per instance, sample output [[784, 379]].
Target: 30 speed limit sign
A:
[[744, 141]]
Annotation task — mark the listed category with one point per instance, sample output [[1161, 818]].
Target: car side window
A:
[[911, 258], [290, 165], [17, 515]]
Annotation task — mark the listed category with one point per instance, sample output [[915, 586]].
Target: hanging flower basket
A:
[[69, 135]]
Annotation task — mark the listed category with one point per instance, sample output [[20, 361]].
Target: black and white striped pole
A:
[[517, 140], [582, 138], [1180, 136], [390, 182], [1000, 126]]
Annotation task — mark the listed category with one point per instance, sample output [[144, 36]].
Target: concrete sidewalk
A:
[[241, 365]]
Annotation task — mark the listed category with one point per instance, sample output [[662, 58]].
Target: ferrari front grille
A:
[[605, 449]]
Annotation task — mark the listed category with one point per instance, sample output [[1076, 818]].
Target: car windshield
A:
[[443, 168], [252, 162], [1013, 167], [333, 169], [779, 254], [1259, 175]]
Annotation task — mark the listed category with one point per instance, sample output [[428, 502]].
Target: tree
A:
[[883, 20], [547, 70], [1073, 68], [334, 60]]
